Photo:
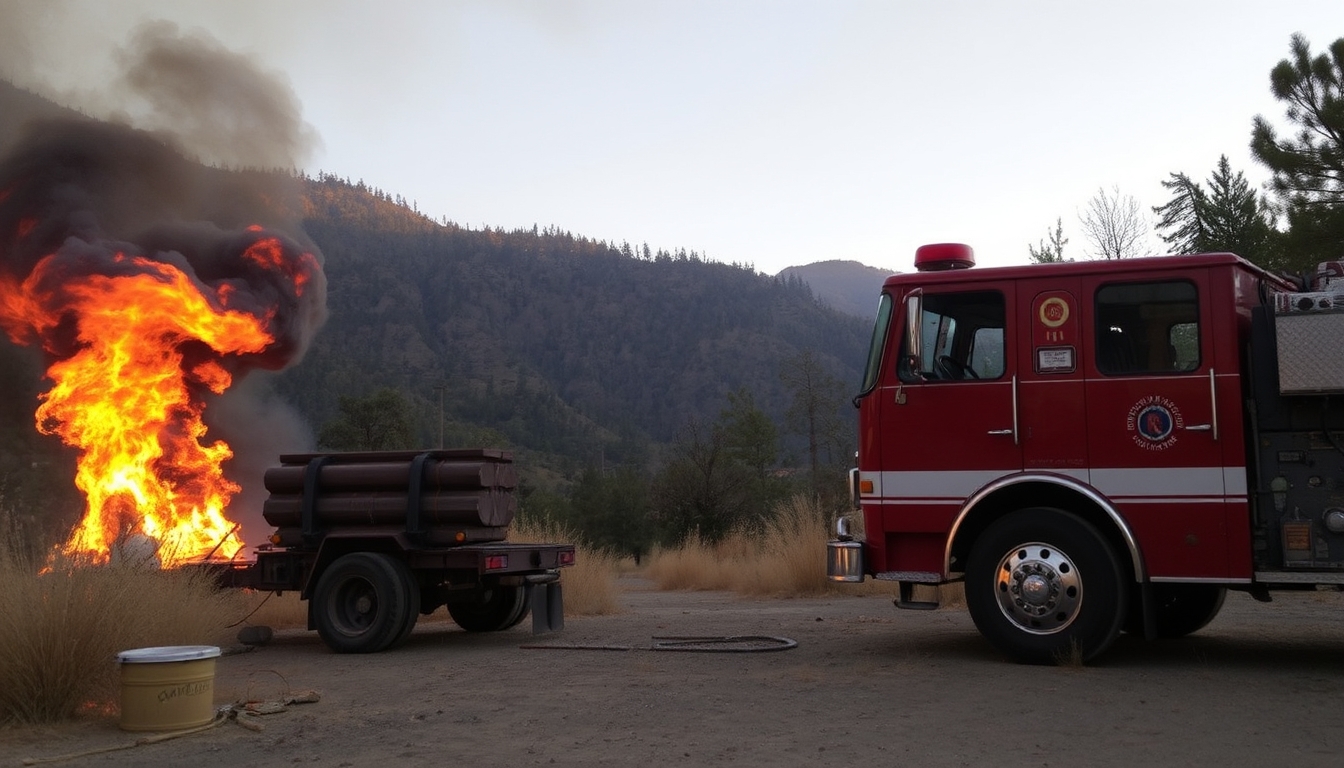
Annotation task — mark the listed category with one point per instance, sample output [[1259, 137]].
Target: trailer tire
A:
[[497, 609], [1044, 587], [1179, 609], [362, 601]]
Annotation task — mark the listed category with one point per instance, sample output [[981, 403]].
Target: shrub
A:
[[64, 625]]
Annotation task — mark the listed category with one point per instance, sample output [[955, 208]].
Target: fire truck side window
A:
[[1147, 328], [961, 338]]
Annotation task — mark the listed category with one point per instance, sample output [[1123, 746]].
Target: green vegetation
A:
[[1229, 216], [1308, 166]]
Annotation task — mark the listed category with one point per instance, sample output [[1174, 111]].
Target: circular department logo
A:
[[1153, 421], [1054, 312]]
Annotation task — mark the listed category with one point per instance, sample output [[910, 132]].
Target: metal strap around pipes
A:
[[415, 494], [308, 513]]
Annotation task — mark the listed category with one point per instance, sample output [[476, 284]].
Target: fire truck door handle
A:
[[1212, 426], [1213, 402], [1012, 431], [1212, 405]]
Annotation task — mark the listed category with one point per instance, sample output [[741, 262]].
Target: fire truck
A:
[[1099, 447]]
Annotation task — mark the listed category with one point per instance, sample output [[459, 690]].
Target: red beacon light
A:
[[943, 256]]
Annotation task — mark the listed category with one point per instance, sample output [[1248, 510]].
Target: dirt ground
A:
[[867, 684]]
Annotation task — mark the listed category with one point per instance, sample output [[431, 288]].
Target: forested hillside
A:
[[553, 342]]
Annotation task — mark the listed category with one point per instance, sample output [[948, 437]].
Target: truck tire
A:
[[1044, 587], [362, 601], [1179, 609], [494, 610]]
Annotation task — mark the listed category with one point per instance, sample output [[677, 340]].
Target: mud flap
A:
[[548, 607]]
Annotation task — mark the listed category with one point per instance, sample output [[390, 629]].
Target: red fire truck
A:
[[1098, 447]]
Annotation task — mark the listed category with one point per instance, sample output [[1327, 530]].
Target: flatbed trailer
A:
[[373, 540]]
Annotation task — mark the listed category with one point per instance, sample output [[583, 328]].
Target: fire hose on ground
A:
[[687, 644]]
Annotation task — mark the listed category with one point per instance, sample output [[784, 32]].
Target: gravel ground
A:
[[866, 684]]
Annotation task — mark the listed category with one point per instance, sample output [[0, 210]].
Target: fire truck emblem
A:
[[1054, 312], [1153, 422]]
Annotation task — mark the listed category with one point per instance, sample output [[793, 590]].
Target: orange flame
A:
[[148, 345]]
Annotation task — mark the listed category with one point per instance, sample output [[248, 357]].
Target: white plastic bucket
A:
[[168, 688]]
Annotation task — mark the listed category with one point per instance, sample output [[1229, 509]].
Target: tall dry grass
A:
[[785, 557], [64, 622], [589, 584]]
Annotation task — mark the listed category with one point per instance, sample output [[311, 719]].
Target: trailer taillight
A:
[[496, 562], [567, 558]]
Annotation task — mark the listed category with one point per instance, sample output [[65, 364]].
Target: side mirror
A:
[[913, 361]]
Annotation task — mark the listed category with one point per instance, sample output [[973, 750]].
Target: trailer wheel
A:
[[1044, 587], [362, 601], [495, 609], [1179, 609]]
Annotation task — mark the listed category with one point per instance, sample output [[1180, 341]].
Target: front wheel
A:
[[1043, 586]]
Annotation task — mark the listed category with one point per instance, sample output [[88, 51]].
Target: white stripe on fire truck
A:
[[1156, 484]]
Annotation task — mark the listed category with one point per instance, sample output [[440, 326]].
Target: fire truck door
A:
[[1051, 403], [1153, 441], [947, 423]]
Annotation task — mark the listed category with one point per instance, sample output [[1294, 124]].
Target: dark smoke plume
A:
[[89, 194]]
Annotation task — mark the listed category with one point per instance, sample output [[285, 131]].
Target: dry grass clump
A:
[[784, 557], [63, 627], [589, 584]]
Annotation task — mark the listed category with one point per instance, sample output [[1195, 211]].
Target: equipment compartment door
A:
[[1152, 435]]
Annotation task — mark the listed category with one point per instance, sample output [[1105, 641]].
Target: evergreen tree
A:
[[1229, 216], [1308, 166]]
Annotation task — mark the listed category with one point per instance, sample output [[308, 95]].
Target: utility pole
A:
[[439, 389]]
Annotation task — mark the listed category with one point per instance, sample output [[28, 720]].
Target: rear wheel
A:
[[1043, 586], [362, 602], [1180, 609], [492, 610]]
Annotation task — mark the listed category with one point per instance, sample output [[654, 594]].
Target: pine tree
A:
[[1308, 166]]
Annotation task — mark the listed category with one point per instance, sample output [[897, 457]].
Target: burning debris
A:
[[152, 284]]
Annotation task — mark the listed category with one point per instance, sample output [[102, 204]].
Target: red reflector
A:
[[566, 558], [495, 562]]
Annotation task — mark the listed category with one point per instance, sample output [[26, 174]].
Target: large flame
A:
[[149, 343]]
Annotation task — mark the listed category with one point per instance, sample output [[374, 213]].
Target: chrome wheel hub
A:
[[1038, 588]]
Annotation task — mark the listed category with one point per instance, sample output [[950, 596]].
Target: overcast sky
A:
[[771, 133]]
